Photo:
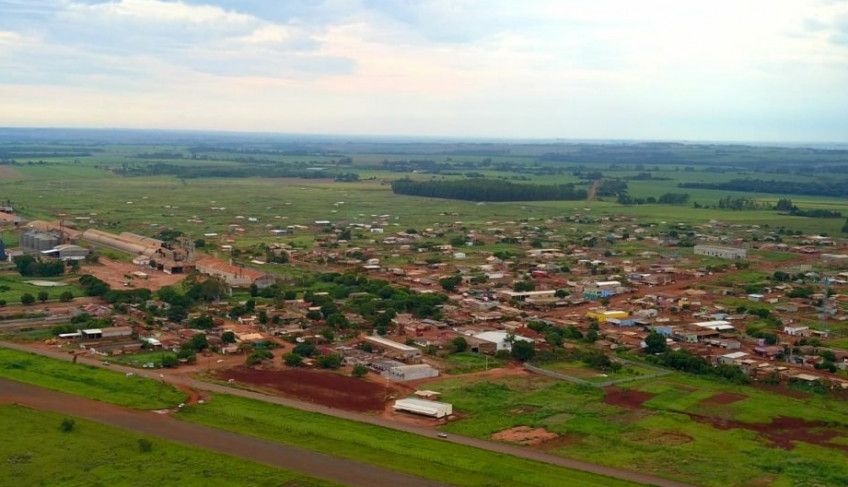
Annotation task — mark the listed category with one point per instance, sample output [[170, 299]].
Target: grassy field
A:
[[467, 362], [582, 371], [96, 455], [662, 438], [13, 286], [430, 458], [87, 381]]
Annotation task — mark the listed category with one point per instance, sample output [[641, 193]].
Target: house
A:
[[731, 358], [500, 339], [601, 316]]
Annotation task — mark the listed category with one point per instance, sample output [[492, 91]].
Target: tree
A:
[[169, 361], [228, 337], [459, 344], [330, 361], [293, 360], [198, 342], [258, 356], [66, 297], [359, 370], [655, 343], [27, 299], [304, 349], [43, 296], [523, 350], [449, 283], [204, 322], [523, 286]]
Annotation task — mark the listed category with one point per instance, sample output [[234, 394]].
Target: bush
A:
[[330, 361], [145, 445], [293, 360], [66, 297], [359, 370], [258, 356], [27, 299], [67, 425]]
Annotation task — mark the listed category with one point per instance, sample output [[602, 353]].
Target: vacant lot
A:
[[676, 426], [93, 454], [88, 381]]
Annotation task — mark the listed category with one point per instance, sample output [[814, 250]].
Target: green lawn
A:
[[87, 381], [38, 453]]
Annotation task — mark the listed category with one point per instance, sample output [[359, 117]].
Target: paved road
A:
[[340, 470], [363, 418]]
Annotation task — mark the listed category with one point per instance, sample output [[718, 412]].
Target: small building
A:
[[110, 333], [402, 373], [434, 409], [601, 289], [67, 252], [721, 252], [731, 358], [499, 338], [601, 316]]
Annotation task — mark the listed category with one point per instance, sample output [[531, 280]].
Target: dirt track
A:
[[163, 426], [364, 418]]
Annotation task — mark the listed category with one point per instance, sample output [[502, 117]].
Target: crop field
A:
[[430, 458], [96, 455], [88, 381], [700, 431]]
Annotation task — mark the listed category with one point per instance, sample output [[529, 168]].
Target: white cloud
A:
[[160, 11]]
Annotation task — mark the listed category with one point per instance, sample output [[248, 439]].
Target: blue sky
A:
[[754, 70]]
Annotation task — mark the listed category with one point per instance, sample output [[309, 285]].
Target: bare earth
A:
[[114, 272]]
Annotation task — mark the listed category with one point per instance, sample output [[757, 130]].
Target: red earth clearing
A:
[[628, 399], [722, 399], [525, 435], [326, 388]]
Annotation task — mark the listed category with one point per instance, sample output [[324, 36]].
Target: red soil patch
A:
[[628, 399], [525, 435], [722, 399], [326, 388], [782, 432]]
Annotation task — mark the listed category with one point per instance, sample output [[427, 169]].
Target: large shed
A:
[[424, 407]]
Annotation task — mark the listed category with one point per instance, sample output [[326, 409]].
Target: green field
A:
[[88, 381], [430, 458], [661, 438], [96, 455], [467, 362]]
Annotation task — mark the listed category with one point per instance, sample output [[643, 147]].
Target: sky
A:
[[721, 70]]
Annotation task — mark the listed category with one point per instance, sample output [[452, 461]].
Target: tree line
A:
[[817, 188], [488, 190]]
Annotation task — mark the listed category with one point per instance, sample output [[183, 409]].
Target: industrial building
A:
[[394, 348], [721, 252], [67, 252], [401, 373], [167, 258], [237, 276], [424, 407], [39, 240]]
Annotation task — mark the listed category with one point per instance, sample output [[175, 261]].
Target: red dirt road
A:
[[163, 426]]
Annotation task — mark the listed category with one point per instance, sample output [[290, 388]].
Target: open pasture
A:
[[699, 431]]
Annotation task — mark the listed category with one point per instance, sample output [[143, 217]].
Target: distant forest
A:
[[814, 188], [488, 190]]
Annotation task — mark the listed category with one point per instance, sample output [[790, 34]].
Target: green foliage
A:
[[29, 266], [330, 361], [305, 349], [293, 360], [27, 299], [449, 284], [93, 286], [258, 356], [459, 344], [655, 343], [359, 370], [67, 425], [202, 322], [228, 337], [523, 350]]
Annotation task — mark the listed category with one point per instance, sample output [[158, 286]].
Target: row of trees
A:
[[816, 188], [29, 266], [487, 190]]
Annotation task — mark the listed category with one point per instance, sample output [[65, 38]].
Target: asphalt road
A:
[[521, 452]]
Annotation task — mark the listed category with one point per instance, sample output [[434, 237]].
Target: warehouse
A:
[[401, 373], [434, 409], [392, 347], [67, 252]]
